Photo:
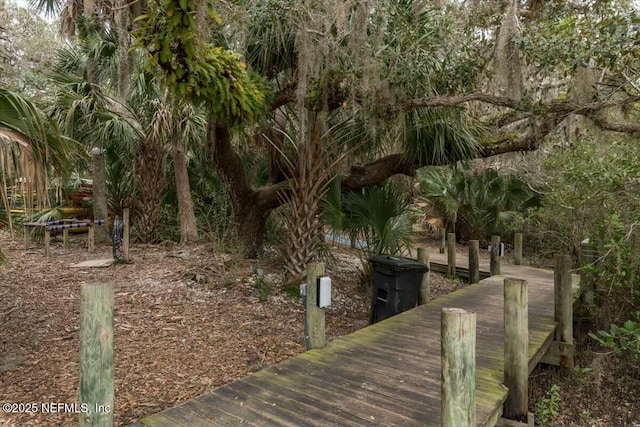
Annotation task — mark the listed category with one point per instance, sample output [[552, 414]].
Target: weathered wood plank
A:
[[386, 374]]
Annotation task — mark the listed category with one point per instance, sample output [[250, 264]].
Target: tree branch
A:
[[284, 96], [452, 101]]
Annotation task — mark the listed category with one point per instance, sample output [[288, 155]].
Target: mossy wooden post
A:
[[586, 277], [65, 237], [563, 299], [27, 237], [451, 255], [96, 354], [315, 315], [443, 238], [474, 261], [47, 241], [125, 235], [561, 351], [458, 341], [92, 238], [516, 349], [425, 287], [494, 263], [517, 249]]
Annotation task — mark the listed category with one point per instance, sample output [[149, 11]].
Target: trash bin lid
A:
[[398, 263]]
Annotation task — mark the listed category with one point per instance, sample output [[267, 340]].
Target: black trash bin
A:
[[396, 285]]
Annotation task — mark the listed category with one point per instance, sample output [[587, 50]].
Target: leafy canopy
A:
[[197, 70]]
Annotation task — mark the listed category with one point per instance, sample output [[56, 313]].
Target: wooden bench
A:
[[65, 225]]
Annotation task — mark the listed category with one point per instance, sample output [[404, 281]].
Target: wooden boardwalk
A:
[[387, 374]]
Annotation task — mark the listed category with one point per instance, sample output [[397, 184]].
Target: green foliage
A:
[[479, 204], [548, 407], [264, 288], [593, 192], [566, 36], [270, 41], [380, 216], [440, 137], [623, 340], [197, 70]]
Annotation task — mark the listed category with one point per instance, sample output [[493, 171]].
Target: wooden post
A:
[[92, 238], [474, 261], [425, 287], [561, 351], [443, 237], [27, 237], [588, 258], [563, 299], [494, 264], [517, 249], [125, 235], [65, 237], [458, 340], [96, 354], [314, 316], [47, 241], [451, 255], [516, 349]]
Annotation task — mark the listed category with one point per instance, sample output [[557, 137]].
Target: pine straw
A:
[[175, 338]]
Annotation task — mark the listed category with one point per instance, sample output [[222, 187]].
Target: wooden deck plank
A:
[[386, 374]]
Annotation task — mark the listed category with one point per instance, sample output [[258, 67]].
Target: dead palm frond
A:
[[31, 149]]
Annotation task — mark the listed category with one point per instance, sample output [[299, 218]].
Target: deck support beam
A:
[[47, 242], [494, 263], [562, 351], [92, 239], [96, 354], [315, 318], [517, 249], [474, 261], [458, 341], [451, 255], [425, 286], [516, 349]]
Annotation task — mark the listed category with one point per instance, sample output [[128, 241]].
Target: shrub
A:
[[623, 340]]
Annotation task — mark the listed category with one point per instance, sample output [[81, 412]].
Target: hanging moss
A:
[[195, 69]]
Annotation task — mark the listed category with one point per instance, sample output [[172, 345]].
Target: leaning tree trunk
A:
[[151, 184], [186, 215]]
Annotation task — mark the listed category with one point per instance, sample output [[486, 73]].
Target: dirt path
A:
[[174, 337]]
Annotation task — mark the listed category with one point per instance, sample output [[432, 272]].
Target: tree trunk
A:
[[100, 210], [251, 226], [188, 226], [508, 79], [150, 174], [307, 189], [124, 55]]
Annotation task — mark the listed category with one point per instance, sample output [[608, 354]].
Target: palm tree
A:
[[31, 150], [380, 217], [475, 205]]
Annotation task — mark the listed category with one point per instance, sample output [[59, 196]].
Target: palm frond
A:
[[439, 137]]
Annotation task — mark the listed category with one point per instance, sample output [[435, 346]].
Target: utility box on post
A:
[[396, 285]]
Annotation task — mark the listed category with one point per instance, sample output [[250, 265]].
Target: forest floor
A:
[[191, 319], [187, 320]]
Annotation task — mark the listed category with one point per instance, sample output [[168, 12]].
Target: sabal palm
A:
[[31, 148], [478, 203]]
